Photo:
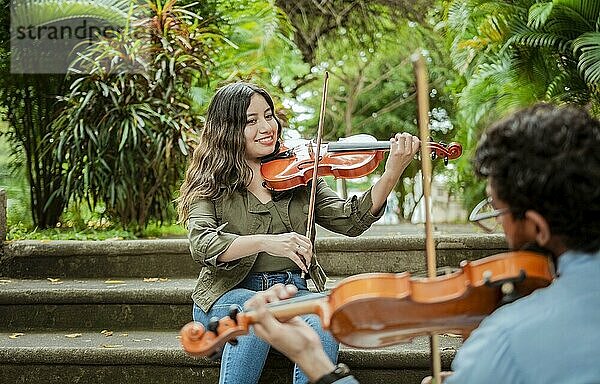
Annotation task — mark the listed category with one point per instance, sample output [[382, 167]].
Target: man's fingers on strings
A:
[[275, 293]]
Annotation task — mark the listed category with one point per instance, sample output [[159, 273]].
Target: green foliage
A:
[[515, 53], [122, 137], [29, 101], [371, 89], [587, 47], [15, 185], [260, 50], [95, 230], [37, 13]]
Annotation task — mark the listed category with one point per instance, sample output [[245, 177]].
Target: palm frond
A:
[[43, 12], [587, 48], [538, 14]]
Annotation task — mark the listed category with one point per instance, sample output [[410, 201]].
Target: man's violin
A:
[[380, 309], [348, 158]]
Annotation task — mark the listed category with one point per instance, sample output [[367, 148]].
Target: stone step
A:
[[171, 258], [96, 303], [142, 356], [133, 303]]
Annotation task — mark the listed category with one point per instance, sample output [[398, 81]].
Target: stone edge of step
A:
[[60, 248], [55, 348]]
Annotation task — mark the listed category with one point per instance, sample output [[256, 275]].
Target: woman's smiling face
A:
[[261, 128]]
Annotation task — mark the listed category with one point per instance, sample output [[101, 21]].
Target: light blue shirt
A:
[[550, 336]]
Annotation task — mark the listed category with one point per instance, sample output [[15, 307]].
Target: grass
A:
[[21, 232]]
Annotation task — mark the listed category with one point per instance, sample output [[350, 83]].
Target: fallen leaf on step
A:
[[124, 334], [138, 340], [15, 335], [452, 335], [111, 345], [73, 335], [155, 279], [4, 281], [106, 332], [54, 281], [114, 282]]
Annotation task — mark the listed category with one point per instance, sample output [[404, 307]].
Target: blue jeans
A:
[[243, 363]]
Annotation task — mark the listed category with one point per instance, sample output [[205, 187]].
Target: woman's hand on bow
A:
[[292, 245]]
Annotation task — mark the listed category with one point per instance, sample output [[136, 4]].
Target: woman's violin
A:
[[348, 158], [380, 309]]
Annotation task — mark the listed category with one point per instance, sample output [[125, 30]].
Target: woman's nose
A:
[[264, 126]]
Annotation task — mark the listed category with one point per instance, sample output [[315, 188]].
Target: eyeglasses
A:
[[484, 215]]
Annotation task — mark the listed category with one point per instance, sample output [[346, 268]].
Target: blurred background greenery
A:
[[100, 152]]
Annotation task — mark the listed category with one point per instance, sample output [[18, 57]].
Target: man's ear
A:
[[539, 226]]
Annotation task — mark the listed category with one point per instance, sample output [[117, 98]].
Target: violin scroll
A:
[[450, 151], [199, 341]]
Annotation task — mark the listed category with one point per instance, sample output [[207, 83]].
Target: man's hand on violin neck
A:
[[294, 338], [403, 148]]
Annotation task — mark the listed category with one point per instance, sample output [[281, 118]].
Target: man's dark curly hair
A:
[[547, 158]]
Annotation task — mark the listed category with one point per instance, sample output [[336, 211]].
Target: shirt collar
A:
[[572, 260]]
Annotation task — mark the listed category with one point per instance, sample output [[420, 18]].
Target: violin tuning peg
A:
[[213, 325], [233, 312], [445, 160], [433, 155], [233, 342]]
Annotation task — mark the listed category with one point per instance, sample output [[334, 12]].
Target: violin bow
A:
[[310, 225], [423, 123]]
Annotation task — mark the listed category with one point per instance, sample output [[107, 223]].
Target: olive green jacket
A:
[[215, 224]]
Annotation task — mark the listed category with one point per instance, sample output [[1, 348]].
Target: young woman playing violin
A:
[[543, 170], [247, 237]]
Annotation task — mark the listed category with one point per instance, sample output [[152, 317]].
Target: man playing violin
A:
[[542, 165]]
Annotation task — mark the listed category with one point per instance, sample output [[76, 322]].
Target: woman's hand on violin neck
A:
[[403, 148], [294, 338], [292, 245]]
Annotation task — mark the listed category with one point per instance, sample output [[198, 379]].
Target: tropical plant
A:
[[123, 135], [515, 53], [29, 100]]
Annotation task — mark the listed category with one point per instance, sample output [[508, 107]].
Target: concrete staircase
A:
[[110, 311]]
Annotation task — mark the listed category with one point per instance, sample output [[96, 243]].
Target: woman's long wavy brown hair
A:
[[218, 165]]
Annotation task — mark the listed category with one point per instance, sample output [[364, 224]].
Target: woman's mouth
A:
[[265, 140]]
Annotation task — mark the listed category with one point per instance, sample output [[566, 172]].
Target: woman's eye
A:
[[250, 121], [268, 117]]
